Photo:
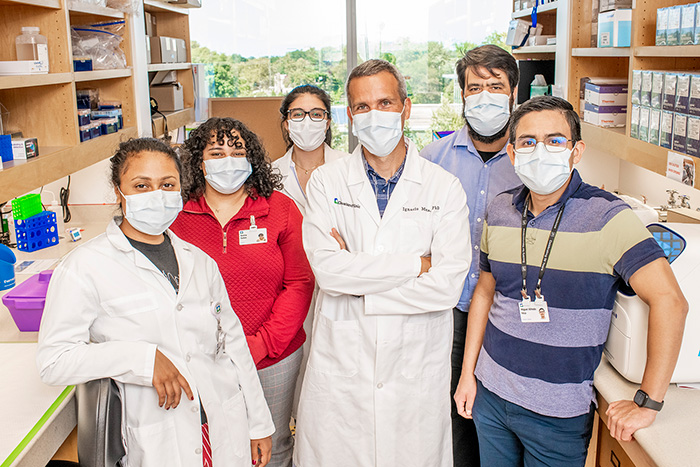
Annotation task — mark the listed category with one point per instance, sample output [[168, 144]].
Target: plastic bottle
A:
[[33, 46]]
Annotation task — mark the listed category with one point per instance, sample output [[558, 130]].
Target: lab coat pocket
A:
[[237, 420], [153, 445], [130, 304], [426, 346], [336, 347], [415, 236]]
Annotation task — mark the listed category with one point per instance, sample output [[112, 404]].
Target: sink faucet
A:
[[685, 201], [672, 203]]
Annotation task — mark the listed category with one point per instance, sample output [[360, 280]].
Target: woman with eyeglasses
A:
[[253, 232], [306, 127]]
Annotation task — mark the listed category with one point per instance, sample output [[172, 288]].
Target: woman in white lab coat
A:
[[306, 127], [140, 306]]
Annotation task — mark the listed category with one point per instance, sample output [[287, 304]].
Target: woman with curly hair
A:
[[234, 213]]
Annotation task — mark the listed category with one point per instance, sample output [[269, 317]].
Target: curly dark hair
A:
[[291, 97], [263, 181], [118, 163]]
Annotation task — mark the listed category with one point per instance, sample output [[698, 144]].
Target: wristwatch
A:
[[642, 399]]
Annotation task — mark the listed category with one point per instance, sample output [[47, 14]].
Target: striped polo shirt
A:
[[548, 367]]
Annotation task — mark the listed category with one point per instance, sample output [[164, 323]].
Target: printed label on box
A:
[[645, 98], [636, 86], [666, 132], [669, 97], [682, 93], [657, 87], [673, 32], [694, 101], [644, 123], [692, 139], [680, 122], [687, 24], [654, 123], [661, 25], [634, 121]]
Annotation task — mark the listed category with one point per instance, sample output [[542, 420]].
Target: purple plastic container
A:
[[26, 301]]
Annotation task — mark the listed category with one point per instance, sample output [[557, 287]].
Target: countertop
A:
[[674, 438]]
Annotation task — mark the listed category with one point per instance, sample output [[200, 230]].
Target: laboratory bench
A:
[[36, 419]]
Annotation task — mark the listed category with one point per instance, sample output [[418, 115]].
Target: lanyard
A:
[[547, 250]]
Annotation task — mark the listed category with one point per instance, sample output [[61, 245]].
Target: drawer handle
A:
[[613, 459]]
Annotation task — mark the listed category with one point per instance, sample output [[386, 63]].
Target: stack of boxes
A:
[[97, 117], [605, 103], [162, 49], [678, 25], [666, 110], [614, 24]]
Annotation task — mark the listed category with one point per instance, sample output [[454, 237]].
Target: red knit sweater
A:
[[270, 284]]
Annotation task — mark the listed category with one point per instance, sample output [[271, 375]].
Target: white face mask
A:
[[487, 113], [228, 174], [307, 134], [378, 131], [542, 171], [152, 212]]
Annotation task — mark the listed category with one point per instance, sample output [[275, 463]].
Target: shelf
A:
[[668, 51], [601, 52], [540, 9], [55, 4], [614, 141], [536, 49], [19, 177], [81, 76], [24, 81], [175, 120], [169, 66], [80, 8], [156, 6]]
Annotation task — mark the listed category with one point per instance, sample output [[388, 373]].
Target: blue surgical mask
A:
[[152, 212], [228, 174], [379, 132], [487, 113], [543, 171]]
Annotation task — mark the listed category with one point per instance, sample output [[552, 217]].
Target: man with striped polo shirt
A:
[[553, 255]]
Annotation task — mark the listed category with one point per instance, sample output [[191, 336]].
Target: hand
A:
[[338, 238], [425, 265], [465, 394], [168, 382], [261, 451], [626, 417]]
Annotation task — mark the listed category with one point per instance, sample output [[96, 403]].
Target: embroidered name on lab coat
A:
[[422, 209]]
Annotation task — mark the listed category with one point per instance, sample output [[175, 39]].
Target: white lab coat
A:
[[285, 164], [107, 310], [377, 385]]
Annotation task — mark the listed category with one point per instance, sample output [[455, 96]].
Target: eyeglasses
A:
[[553, 144], [316, 115]]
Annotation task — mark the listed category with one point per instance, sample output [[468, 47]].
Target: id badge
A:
[[252, 236], [534, 312]]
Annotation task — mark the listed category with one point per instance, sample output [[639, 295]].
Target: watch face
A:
[[640, 398]]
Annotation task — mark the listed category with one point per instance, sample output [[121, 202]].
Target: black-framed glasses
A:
[[552, 143], [316, 115]]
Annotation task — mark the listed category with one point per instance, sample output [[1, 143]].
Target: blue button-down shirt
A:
[[481, 181], [382, 188]]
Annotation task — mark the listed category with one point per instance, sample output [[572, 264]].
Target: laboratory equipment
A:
[[626, 346], [26, 301]]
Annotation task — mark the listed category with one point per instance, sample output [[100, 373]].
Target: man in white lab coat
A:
[[387, 235]]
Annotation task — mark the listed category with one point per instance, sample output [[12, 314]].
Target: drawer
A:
[[610, 453]]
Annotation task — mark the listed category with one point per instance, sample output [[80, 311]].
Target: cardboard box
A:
[[666, 129], [595, 10], [25, 148], [148, 50], [608, 5], [636, 86], [615, 28], [696, 35], [673, 29], [692, 139], [170, 97], [657, 89], [518, 30], [654, 126], [150, 24], [680, 125], [606, 94], [180, 50], [668, 100], [644, 113], [661, 25], [605, 116], [163, 50], [634, 121], [694, 100], [682, 93], [687, 35], [645, 95]]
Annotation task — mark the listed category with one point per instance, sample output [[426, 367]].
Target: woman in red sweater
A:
[[253, 232]]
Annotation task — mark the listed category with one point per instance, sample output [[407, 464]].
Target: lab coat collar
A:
[[289, 180], [183, 253]]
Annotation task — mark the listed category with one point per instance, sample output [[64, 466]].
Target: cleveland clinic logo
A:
[[348, 205]]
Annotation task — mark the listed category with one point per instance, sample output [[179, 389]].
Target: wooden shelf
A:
[[79, 8], [81, 76], [601, 52], [536, 49], [24, 81], [19, 177], [175, 120], [526, 13], [169, 66], [668, 51], [155, 5], [55, 4]]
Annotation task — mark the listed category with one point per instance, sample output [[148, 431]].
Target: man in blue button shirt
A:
[[476, 155]]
